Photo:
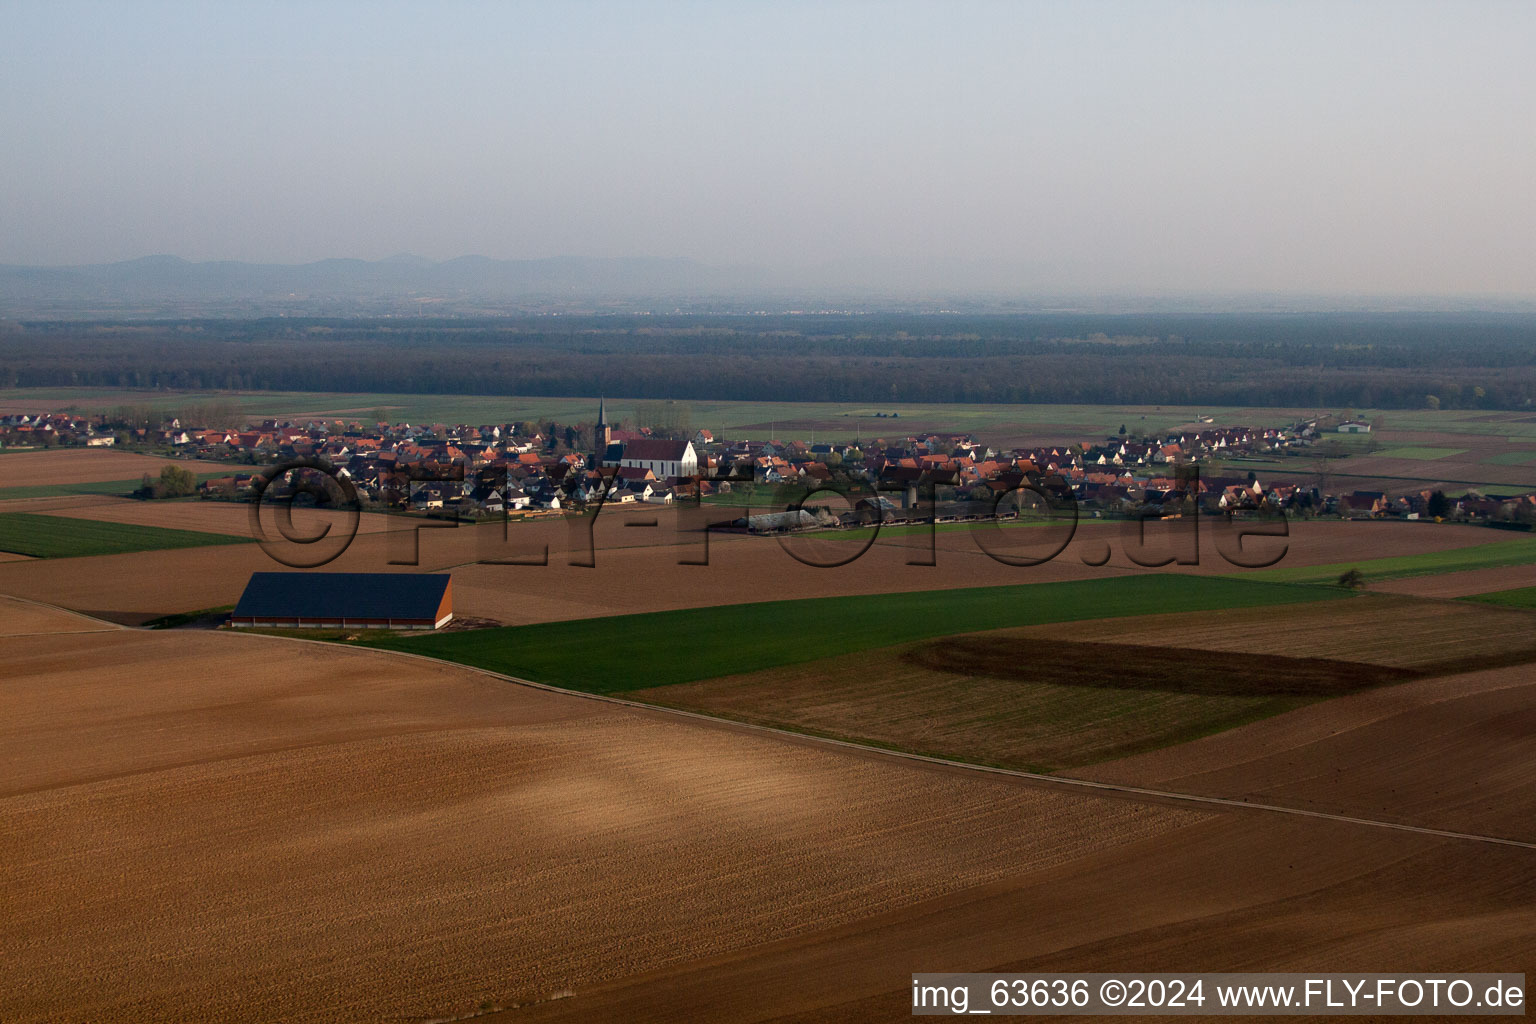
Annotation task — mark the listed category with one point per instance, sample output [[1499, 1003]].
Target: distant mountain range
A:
[[404, 279]]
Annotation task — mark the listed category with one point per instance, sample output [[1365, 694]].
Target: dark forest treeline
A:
[[1366, 360]]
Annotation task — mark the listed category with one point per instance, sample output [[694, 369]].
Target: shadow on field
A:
[[1166, 669]]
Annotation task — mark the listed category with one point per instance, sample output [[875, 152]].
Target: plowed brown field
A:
[[88, 465], [1463, 584], [54, 504], [1379, 630], [218, 827], [223, 517], [1454, 751], [1451, 473], [1233, 893], [207, 826], [21, 618], [637, 570]]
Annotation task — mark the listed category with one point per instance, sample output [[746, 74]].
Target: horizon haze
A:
[[1025, 150]]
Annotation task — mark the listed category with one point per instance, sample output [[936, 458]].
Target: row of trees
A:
[[1307, 370], [212, 414]]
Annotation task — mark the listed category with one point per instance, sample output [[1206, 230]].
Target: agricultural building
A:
[[345, 600]]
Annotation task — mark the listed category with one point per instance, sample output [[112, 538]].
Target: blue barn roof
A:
[[335, 595]]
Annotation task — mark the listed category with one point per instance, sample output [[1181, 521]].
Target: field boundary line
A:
[[109, 624], [1061, 781]]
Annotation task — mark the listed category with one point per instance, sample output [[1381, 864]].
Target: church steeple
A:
[[602, 436]]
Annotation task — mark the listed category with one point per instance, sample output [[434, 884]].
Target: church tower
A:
[[602, 434]]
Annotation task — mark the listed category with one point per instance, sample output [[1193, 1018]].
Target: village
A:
[[527, 470]]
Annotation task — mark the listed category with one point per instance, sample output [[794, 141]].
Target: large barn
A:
[[345, 600]]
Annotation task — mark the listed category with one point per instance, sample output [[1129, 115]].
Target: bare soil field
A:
[[1237, 892], [1451, 472], [637, 567], [88, 465], [1390, 631], [1232, 894], [214, 827], [1032, 718], [224, 517], [55, 504], [1462, 584], [22, 618], [1453, 752]]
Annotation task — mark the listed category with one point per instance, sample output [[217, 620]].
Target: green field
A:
[[1523, 597], [1412, 452], [829, 421], [629, 652], [42, 536], [1520, 551], [1512, 459], [1515, 426], [1091, 420]]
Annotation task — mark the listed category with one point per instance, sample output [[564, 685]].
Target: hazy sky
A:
[[1330, 147]]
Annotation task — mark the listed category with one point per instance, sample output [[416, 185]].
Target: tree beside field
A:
[[173, 482]]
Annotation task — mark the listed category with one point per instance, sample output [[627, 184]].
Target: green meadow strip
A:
[[44, 536], [1521, 597], [630, 652]]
